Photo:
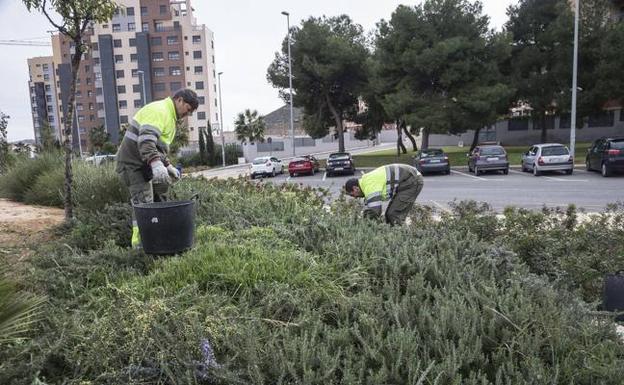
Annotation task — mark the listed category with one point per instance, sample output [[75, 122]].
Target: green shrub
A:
[[23, 174], [96, 187], [47, 189]]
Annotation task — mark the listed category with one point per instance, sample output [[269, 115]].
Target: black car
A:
[[606, 155], [340, 163], [432, 160]]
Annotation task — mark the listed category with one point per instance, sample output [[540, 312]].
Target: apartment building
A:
[[146, 52], [43, 96]]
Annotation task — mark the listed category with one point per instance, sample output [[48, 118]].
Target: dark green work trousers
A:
[[403, 201]]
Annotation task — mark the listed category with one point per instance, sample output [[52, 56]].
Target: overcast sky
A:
[[247, 34]]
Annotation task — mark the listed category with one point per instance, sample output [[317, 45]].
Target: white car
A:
[[266, 165], [100, 159], [547, 157]]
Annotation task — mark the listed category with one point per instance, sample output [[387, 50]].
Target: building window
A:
[[87, 68], [100, 106], [201, 99], [121, 89], [143, 11], [163, 9], [159, 71], [159, 26], [79, 106], [96, 60], [174, 55], [197, 54], [98, 76], [172, 40], [134, 73], [89, 93], [175, 71], [50, 109], [215, 102], [118, 58], [201, 115], [94, 46], [131, 27], [157, 56], [51, 118], [123, 104], [137, 103], [136, 88], [199, 85], [199, 69], [123, 119], [91, 117], [98, 91], [81, 118], [174, 86], [132, 42], [159, 86], [196, 39], [46, 77], [88, 80], [44, 67], [134, 57], [116, 27], [91, 107], [48, 99], [119, 74], [156, 40], [130, 11], [48, 88], [117, 43], [145, 27]]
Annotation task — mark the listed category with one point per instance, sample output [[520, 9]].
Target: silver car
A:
[[547, 157]]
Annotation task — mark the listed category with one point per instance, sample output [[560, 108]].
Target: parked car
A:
[[340, 163], [432, 160], [266, 165], [547, 157], [606, 155], [100, 159], [488, 158], [305, 165]]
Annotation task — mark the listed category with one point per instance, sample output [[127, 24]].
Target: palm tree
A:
[[18, 311], [250, 127]]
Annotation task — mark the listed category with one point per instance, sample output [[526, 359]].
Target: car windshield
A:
[[339, 156], [617, 144], [431, 152], [260, 160], [554, 150], [492, 151]]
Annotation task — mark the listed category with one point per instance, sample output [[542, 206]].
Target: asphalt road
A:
[[587, 190]]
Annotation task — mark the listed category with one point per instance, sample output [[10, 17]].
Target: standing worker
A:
[[399, 183], [142, 162]]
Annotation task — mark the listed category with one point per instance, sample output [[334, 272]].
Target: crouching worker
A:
[[142, 162], [399, 183]]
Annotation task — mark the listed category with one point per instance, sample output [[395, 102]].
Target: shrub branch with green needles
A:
[[283, 288]]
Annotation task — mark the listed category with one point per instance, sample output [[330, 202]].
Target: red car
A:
[[305, 165]]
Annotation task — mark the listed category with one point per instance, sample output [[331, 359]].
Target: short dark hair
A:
[[350, 184], [189, 96]]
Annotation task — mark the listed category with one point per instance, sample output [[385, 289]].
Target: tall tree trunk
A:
[[544, 133], [400, 146], [69, 121], [338, 120], [475, 139], [425, 141], [409, 135]]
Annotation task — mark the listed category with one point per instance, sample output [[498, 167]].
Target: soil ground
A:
[[22, 226]]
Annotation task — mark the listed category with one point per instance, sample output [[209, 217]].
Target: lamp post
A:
[[143, 96], [221, 121], [290, 101], [574, 82]]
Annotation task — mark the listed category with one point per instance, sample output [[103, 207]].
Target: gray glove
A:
[[159, 172], [174, 173]]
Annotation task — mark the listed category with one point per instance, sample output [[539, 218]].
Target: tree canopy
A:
[[249, 127], [328, 67]]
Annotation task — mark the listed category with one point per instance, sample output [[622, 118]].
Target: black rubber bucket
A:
[[166, 228], [613, 293]]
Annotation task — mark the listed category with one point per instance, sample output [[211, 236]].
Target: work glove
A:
[[159, 172], [174, 173]]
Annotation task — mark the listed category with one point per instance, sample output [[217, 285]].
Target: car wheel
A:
[[604, 170], [587, 166], [569, 172], [252, 176], [524, 169], [469, 168], [292, 174], [536, 172], [448, 171], [506, 171]]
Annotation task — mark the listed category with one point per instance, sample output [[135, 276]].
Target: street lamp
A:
[[143, 96], [292, 124], [221, 121], [574, 82]]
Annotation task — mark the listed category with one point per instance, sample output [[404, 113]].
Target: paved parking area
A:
[[587, 190]]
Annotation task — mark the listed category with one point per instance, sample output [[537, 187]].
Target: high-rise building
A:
[[146, 52]]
